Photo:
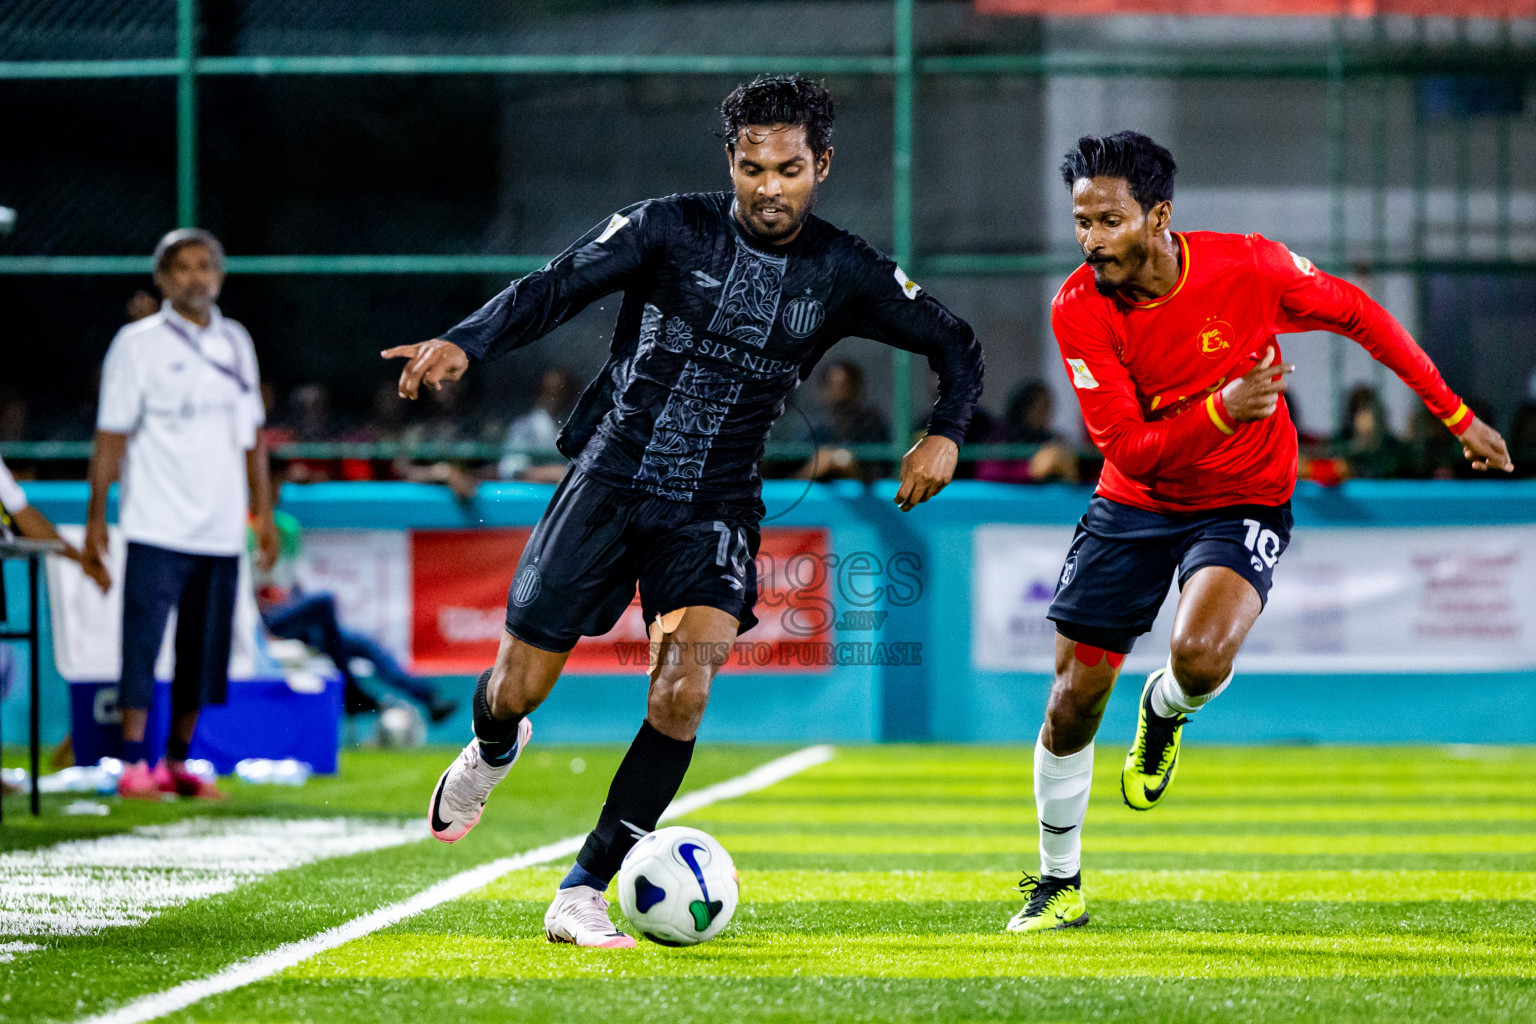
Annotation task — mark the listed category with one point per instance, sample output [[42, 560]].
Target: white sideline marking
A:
[[84, 886], [8, 950], [256, 968]]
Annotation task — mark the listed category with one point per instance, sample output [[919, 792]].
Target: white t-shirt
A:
[[189, 399], [535, 430], [12, 498]]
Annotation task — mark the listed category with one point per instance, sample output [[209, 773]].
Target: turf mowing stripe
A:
[[290, 954], [810, 886], [778, 812], [1023, 843], [1167, 955]]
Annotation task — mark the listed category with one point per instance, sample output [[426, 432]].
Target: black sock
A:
[[647, 780], [176, 749], [497, 736]]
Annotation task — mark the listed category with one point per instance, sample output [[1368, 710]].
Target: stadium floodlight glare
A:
[[7, 220]]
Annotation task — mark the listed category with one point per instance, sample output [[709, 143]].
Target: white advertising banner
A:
[[369, 572], [1344, 600], [88, 625]]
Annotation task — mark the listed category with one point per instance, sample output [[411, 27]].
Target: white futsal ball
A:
[[678, 886]]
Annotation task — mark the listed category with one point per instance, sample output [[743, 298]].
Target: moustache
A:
[[1099, 261]]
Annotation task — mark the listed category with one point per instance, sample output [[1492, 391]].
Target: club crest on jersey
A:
[[1215, 337], [909, 287], [1302, 264], [802, 316]]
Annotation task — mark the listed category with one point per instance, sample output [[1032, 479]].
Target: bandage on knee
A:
[[665, 625], [1092, 656]]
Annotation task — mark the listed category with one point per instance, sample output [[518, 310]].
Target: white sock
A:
[[1169, 698], [1061, 802]]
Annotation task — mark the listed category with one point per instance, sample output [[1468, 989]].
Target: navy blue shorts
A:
[[1122, 559], [202, 590], [595, 543]]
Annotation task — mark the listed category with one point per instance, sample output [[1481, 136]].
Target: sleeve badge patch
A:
[[908, 286], [1082, 377], [615, 225], [1302, 264]]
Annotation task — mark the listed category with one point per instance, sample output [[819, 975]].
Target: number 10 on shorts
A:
[[1263, 543]]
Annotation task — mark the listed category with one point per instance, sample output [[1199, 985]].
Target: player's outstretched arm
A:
[[434, 363], [1312, 300]]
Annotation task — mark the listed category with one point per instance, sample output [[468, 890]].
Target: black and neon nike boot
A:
[[1154, 757], [1050, 903]]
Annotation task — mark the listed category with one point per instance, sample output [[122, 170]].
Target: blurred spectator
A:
[[386, 417], [532, 435], [181, 410], [1365, 442], [842, 418], [306, 420], [291, 614], [1028, 420], [444, 426], [1430, 451], [13, 416], [141, 304], [309, 412]]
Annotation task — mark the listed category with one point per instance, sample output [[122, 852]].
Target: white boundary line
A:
[[256, 968]]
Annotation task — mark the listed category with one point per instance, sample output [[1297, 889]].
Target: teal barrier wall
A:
[[944, 698]]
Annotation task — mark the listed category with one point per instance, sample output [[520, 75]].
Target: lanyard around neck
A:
[[234, 373]]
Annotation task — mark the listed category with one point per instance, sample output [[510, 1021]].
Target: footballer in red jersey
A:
[[1169, 339]]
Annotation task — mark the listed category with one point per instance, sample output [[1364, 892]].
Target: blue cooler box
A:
[[262, 718]]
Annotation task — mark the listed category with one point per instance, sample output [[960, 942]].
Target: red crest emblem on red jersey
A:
[[1215, 337]]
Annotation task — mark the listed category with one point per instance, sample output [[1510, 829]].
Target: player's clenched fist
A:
[[434, 361], [1484, 447], [1256, 394], [926, 468]]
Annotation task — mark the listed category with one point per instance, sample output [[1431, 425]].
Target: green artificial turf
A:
[[1377, 885]]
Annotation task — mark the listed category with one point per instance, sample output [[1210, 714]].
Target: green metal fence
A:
[[1366, 65]]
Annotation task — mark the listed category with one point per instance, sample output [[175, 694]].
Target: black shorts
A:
[[1122, 558], [201, 590], [595, 543]]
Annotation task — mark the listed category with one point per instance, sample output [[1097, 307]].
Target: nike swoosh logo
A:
[[1153, 794], [706, 280], [1057, 830], [438, 824]]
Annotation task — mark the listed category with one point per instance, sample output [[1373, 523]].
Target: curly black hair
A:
[[1147, 168], [780, 99]]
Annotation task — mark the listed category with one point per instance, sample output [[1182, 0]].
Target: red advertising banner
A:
[[459, 582], [1264, 8]]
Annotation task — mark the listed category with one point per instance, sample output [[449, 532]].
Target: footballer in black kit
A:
[[715, 331], [730, 299]]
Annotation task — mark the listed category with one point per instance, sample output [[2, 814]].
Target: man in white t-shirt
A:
[[180, 417]]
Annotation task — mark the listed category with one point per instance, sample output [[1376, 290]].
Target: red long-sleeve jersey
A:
[[1149, 375]]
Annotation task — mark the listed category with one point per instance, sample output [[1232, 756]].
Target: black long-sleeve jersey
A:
[[713, 334]]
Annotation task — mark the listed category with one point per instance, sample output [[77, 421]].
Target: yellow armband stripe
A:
[[1221, 424], [1458, 419]]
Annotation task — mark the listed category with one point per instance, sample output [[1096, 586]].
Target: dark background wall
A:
[[485, 164]]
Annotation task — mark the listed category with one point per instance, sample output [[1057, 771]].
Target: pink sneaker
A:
[[185, 783], [161, 773], [138, 783]]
